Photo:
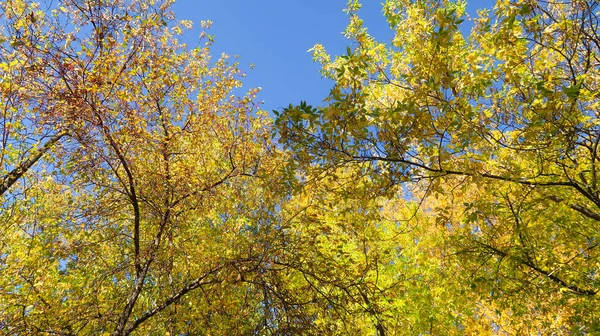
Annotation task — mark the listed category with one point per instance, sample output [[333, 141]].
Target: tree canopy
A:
[[448, 185], [497, 128]]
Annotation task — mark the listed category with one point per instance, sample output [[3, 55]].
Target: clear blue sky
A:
[[275, 35]]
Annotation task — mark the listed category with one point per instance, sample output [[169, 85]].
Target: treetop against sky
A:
[[443, 178]]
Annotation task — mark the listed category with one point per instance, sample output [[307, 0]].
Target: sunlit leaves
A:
[[149, 178], [496, 125]]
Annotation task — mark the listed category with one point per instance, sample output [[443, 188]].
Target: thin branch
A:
[[576, 289], [197, 283], [9, 179], [579, 208]]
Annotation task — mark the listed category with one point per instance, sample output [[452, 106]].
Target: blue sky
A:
[[275, 35]]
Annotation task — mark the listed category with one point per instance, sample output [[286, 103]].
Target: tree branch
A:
[[579, 208], [550, 275], [9, 179]]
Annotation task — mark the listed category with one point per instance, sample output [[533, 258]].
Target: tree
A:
[[498, 127], [122, 150]]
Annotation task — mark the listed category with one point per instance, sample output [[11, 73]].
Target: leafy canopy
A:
[[498, 129]]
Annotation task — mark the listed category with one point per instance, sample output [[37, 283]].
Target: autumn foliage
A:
[[448, 186]]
